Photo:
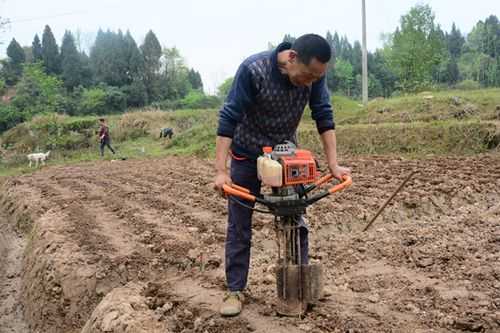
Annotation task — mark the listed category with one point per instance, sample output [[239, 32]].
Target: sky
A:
[[215, 36]]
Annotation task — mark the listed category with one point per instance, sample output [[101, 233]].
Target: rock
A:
[[327, 292], [468, 325], [250, 328], [107, 324], [197, 324], [167, 307], [269, 279], [214, 261], [359, 286], [193, 254], [192, 229], [188, 313], [305, 327], [424, 262], [273, 268], [496, 317], [375, 298]]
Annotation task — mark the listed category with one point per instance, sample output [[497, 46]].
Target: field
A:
[[137, 246]]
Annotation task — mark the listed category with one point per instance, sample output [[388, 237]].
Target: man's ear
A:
[[292, 56]]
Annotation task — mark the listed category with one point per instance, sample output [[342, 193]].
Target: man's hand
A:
[[222, 178], [339, 171]]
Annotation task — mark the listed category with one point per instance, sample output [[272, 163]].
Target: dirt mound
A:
[[135, 246]]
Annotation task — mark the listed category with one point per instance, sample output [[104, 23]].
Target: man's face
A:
[[301, 74]]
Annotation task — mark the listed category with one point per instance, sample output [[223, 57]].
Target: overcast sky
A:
[[215, 36]]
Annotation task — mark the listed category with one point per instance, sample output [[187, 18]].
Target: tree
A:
[[36, 49], [175, 74], [38, 92], [224, 88], [195, 80], [455, 41], [151, 54], [71, 63], [16, 53], [380, 69], [416, 48], [345, 49], [133, 59], [108, 59], [343, 76], [13, 67], [289, 39], [50, 52]]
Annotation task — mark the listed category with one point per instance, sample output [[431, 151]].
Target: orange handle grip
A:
[[346, 182], [323, 179], [240, 188], [239, 192]]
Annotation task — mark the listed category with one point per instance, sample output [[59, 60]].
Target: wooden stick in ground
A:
[[389, 200]]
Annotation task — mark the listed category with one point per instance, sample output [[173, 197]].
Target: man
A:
[[263, 108], [166, 132], [104, 137]]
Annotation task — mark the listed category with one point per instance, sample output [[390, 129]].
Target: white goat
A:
[[38, 157]]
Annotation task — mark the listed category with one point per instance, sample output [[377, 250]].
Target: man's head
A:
[[102, 120], [307, 60]]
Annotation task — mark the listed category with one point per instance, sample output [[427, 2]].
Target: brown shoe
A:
[[232, 304]]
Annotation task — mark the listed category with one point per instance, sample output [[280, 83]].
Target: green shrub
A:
[[93, 101], [468, 85]]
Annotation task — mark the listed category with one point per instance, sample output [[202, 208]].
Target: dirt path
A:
[[137, 246], [11, 252]]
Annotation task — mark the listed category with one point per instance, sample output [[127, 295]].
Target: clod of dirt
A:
[[124, 310]]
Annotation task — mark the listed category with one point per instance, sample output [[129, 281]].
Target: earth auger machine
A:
[[292, 175]]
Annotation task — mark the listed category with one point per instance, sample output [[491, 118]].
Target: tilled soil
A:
[[137, 246]]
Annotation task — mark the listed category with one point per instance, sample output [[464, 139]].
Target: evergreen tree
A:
[[289, 39], [71, 63], [345, 49], [329, 39], [336, 45], [151, 54], [36, 48], [195, 80], [50, 52], [108, 59], [13, 68], [133, 59], [455, 41], [16, 53]]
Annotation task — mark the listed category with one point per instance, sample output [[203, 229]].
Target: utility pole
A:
[[365, 58]]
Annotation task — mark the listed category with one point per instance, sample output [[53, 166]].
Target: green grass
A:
[[413, 126]]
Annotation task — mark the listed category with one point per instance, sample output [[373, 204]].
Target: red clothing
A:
[[104, 132]]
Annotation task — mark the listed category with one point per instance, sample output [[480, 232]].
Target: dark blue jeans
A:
[[105, 143], [239, 227]]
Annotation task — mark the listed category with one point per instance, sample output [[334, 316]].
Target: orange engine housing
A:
[[299, 168]]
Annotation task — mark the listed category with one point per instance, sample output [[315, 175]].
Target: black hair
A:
[[312, 46], [102, 119]]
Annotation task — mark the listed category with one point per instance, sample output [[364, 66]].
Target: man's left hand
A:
[[339, 171]]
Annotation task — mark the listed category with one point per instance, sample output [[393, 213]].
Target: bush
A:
[[130, 127], [93, 101], [9, 117], [198, 100], [116, 101], [102, 100], [468, 85], [136, 94]]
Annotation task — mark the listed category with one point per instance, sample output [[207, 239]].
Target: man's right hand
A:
[[222, 178]]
